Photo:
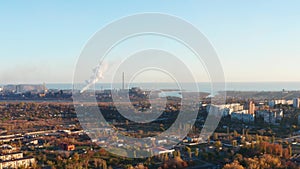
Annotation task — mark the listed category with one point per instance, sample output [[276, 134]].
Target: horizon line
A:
[[33, 83]]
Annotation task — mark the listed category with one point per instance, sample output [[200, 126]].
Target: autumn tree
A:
[[234, 165]]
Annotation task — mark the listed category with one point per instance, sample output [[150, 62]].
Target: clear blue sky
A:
[[255, 40]]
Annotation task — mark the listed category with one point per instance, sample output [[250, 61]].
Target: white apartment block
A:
[[271, 117], [226, 109], [243, 116], [273, 103]]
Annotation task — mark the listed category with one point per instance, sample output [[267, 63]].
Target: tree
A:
[[233, 165], [238, 157], [257, 138], [50, 163], [252, 145], [290, 150], [197, 152], [188, 150], [176, 153], [44, 158], [235, 133], [234, 143], [216, 136], [252, 163], [59, 160], [161, 126], [129, 166], [76, 157], [34, 165], [20, 143], [285, 153], [269, 162], [104, 165], [273, 139], [218, 144], [166, 157]]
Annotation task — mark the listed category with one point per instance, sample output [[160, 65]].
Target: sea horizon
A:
[[203, 86]]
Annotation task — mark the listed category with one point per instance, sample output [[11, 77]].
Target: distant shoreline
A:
[[203, 86]]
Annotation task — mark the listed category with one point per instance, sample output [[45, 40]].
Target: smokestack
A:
[[123, 81], [97, 75], [44, 88]]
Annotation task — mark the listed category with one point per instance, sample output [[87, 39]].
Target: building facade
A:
[[296, 102], [225, 109], [270, 116], [15, 160], [251, 107], [243, 116]]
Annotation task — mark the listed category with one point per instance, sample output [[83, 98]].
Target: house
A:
[[67, 147]]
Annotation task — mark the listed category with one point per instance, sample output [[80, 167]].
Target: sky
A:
[[256, 41]]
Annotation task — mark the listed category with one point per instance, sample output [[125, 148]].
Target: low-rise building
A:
[[67, 147], [15, 160], [161, 150], [10, 156]]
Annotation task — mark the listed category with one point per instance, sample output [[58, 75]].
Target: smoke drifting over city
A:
[[97, 75]]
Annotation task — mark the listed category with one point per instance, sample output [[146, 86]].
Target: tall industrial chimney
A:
[[123, 81]]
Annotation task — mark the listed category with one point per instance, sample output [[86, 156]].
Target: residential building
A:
[[10, 156], [243, 116], [251, 107], [15, 160], [273, 103], [296, 102], [225, 109], [270, 116]]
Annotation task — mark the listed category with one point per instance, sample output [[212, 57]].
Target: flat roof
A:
[[4, 154], [19, 159]]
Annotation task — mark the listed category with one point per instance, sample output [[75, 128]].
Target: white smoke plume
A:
[[97, 75]]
